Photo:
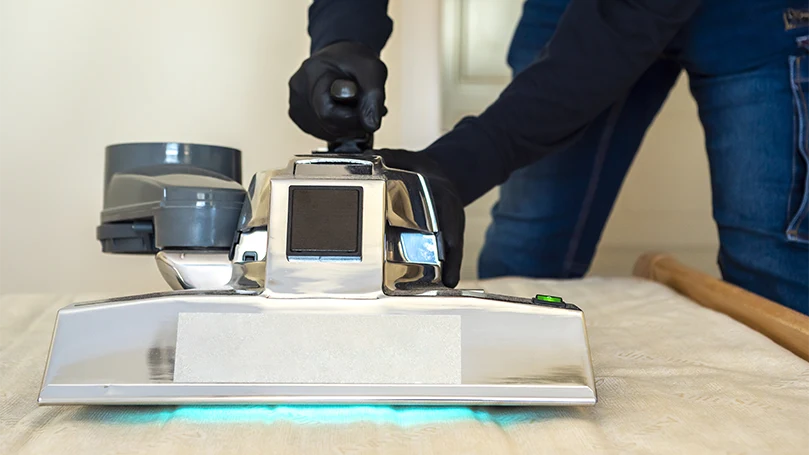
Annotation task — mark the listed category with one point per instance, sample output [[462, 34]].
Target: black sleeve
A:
[[363, 21], [599, 50]]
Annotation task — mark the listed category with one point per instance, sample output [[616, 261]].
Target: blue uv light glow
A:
[[405, 416]]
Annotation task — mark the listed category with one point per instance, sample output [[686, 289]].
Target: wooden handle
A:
[[786, 327]]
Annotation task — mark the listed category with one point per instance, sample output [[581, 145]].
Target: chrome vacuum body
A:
[[319, 283]]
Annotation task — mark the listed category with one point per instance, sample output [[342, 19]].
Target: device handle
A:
[[345, 92]]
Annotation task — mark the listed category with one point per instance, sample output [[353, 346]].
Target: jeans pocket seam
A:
[[797, 217]]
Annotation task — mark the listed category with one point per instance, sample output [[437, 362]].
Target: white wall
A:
[[76, 76]]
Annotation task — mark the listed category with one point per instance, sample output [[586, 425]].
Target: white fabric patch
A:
[[318, 348]]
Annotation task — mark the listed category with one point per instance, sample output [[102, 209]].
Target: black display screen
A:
[[324, 221]]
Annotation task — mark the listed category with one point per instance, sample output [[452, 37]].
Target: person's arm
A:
[[599, 50], [360, 21], [347, 37]]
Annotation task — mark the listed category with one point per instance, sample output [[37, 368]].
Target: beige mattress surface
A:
[[672, 377]]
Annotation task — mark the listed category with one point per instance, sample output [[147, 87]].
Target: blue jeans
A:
[[750, 79]]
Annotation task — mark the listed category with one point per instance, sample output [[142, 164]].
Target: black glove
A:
[[312, 106], [450, 209]]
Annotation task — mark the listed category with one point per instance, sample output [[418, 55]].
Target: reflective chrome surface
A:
[[407, 277], [411, 247], [409, 202], [308, 277], [400, 229], [195, 269], [333, 167], [513, 353], [256, 209], [252, 246]]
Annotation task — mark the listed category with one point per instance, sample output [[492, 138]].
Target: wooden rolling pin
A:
[[786, 327]]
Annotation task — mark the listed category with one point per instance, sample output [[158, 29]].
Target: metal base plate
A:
[[230, 348]]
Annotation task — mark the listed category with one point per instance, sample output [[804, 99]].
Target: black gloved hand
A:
[[312, 106], [448, 204]]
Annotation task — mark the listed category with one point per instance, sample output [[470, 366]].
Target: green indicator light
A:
[[548, 298]]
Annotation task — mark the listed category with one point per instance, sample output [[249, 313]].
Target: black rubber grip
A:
[[344, 90]]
